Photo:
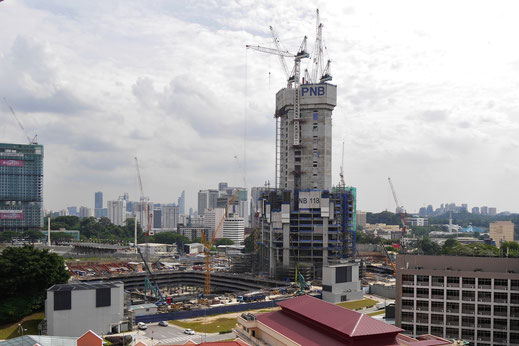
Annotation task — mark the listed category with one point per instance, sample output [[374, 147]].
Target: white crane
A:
[[144, 204], [33, 140], [341, 174], [399, 208]]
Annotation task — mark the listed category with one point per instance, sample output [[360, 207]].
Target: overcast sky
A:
[[427, 94]]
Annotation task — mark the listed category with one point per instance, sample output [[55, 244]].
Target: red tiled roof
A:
[[236, 342], [343, 321]]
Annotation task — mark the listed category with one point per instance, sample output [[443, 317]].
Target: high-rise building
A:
[[212, 218], [21, 186], [475, 210], [117, 212], [182, 203], [305, 222], [157, 217], [475, 299], [144, 212], [207, 200], [492, 211], [98, 200], [484, 210], [465, 207], [501, 231], [233, 228], [170, 216], [100, 212]]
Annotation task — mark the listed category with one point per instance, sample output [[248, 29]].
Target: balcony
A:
[[407, 283], [485, 299], [500, 326], [407, 319], [437, 296], [407, 307], [500, 313], [437, 284], [468, 285], [466, 323], [485, 325], [453, 297], [500, 300], [468, 311], [437, 321], [437, 308], [484, 287], [514, 326], [483, 338], [408, 294], [422, 295], [484, 312], [422, 320], [422, 283]]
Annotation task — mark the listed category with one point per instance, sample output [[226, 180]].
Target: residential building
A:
[[464, 207], [117, 212], [170, 216], [85, 212], [470, 298], [212, 218], [222, 186], [144, 212], [492, 211], [306, 320], [72, 211], [484, 210], [98, 200], [501, 231], [475, 210], [73, 309], [21, 186], [192, 232], [417, 221], [233, 228], [361, 218], [203, 204]]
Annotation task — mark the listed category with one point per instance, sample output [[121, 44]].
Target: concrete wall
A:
[[84, 315], [341, 291], [383, 291]]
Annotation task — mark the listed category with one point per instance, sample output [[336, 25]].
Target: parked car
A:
[[189, 332], [142, 326], [163, 323]]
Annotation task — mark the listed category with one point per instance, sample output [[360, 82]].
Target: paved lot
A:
[[175, 335]]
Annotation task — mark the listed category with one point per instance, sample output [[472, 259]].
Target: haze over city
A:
[[426, 95]]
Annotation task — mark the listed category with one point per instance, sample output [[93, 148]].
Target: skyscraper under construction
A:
[[305, 223]]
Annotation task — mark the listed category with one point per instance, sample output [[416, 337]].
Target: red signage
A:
[[11, 216], [11, 163]]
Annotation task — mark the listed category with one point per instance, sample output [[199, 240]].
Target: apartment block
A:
[[471, 298], [501, 231]]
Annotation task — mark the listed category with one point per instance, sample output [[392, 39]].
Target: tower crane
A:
[[208, 244], [342, 184], [400, 208], [33, 140]]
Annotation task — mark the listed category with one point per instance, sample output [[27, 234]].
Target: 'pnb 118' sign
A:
[[309, 199], [313, 91]]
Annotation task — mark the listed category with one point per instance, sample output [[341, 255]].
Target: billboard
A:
[[11, 215], [11, 163]]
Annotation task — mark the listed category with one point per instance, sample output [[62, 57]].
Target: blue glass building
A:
[[21, 186]]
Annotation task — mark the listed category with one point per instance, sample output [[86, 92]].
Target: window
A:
[[327, 288], [343, 274], [62, 300], [316, 116], [103, 297]]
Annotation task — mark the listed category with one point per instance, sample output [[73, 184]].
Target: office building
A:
[[117, 212], [418, 221], [100, 212], [464, 207], [234, 229], [501, 231], [484, 210], [72, 211], [361, 218], [222, 187], [182, 203], [144, 212], [470, 298], [98, 204], [492, 211], [212, 218], [475, 210], [170, 216], [157, 217], [21, 186], [73, 309]]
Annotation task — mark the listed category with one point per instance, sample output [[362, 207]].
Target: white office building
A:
[[234, 228], [213, 217]]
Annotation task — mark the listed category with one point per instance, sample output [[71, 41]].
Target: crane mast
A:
[[31, 140], [400, 208]]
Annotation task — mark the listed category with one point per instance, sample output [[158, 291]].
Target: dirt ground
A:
[[208, 319]]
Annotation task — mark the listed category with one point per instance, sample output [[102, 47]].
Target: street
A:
[[157, 335]]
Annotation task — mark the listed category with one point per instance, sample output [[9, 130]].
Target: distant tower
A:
[[182, 203], [450, 222], [98, 200]]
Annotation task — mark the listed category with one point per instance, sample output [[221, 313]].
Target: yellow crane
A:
[[209, 244]]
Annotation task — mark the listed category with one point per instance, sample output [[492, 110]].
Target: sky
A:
[[427, 95]]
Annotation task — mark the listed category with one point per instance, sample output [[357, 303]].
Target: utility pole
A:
[[48, 231]]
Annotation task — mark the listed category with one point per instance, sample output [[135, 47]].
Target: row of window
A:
[[465, 334], [455, 281]]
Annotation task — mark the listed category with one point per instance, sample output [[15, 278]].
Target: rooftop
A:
[[311, 321], [84, 286]]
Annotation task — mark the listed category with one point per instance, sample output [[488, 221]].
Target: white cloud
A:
[[426, 95]]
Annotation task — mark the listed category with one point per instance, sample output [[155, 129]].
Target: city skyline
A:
[[429, 105]]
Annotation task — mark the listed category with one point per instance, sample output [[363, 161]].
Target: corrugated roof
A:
[[44, 340], [84, 286], [341, 320]]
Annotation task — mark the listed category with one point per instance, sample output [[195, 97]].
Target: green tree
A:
[[32, 235], [249, 241], [8, 236], [223, 241], [386, 217], [25, 274], [170, 238], [428, 247]]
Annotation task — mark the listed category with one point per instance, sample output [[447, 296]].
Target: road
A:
[[157, 335]]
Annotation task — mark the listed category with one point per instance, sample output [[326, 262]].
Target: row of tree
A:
[[452, 247]]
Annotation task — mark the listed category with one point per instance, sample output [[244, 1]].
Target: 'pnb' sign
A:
[[312, 91]]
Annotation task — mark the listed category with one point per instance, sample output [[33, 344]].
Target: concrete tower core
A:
[[305, 158]]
